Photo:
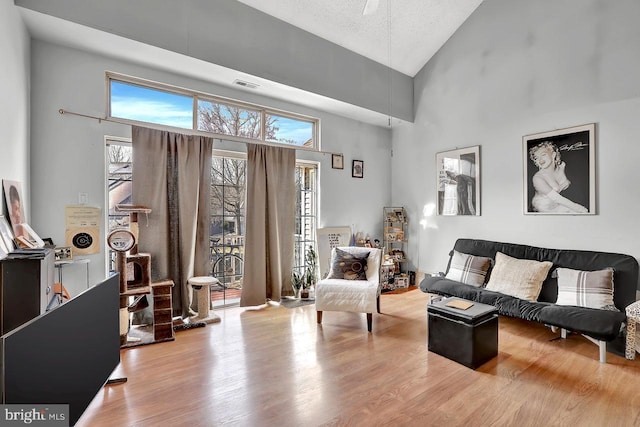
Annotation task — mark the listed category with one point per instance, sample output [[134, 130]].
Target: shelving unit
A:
[[395, 267]]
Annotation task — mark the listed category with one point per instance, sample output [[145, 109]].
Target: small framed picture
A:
[[357, 169], [337, 161], [6, 234]]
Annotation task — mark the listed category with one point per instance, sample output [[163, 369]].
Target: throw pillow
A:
[[593, 289], [520, 278], [348, 266], [468, 269]]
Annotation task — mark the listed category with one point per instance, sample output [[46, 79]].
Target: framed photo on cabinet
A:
[[559, 172]]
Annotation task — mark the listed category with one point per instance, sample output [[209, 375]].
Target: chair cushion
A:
[[468, 269], [593, 289], [347, 266], [520, 278]]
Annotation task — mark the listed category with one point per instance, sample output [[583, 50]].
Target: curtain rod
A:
[[217, 136]]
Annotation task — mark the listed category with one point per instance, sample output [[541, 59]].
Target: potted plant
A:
[[297, 280], [310, 273]]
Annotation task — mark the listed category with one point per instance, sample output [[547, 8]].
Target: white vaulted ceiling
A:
[[418, 27]]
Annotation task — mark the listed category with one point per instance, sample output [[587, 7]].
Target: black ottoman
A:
[[469, 337]]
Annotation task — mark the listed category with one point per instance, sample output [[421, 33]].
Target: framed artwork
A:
[[6, 235], [458, 181], [15, 205], [559, 172], [337, 161], [357, 169]]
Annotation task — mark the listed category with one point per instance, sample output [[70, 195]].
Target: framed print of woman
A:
[[15, 206], [560, 171]]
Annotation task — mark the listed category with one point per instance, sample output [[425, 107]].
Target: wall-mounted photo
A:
[[337, 161], [458, 178], [559, 172], [357, 169]]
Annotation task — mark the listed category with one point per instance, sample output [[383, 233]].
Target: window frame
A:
[[196, 96]]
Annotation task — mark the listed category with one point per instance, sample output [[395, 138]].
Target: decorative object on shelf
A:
[[394, 273], [337, 161], [357, 169], [458, 181], [559, 171]]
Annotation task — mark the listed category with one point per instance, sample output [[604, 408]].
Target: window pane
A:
[[289, 131], [119, 187], [143, 104], [228, 119]]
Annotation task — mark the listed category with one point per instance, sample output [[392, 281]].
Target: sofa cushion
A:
[[468, 269], [593, 289], [348, 266], [520, 278]]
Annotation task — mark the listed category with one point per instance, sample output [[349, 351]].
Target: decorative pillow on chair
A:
[[468, 269], [593, 289], [520, 278], [348, 266]]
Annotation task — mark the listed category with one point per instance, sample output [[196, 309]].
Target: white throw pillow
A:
[[593, 289], [520, 278]]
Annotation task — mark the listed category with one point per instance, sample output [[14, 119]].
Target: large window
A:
[[142, 101], [227, 225]]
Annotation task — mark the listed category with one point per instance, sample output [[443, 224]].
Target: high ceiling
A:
[[418, 28]]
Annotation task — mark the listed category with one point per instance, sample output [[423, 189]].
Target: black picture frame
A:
[[337, 161], [357, 169], [559, 175], [458, 181]]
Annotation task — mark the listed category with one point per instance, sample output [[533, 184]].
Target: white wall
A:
[[518, 67], [68, 152], [14, 107], [236, 36]]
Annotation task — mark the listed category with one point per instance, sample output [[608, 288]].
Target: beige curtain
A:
[[270, 224], [171, 175]]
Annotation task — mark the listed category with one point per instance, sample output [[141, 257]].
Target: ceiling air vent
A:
[[248, 85]]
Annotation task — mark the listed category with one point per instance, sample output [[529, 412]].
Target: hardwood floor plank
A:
[[277, 366]]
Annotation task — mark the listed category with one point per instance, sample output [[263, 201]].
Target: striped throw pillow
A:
[[592, 289], [468, 269]]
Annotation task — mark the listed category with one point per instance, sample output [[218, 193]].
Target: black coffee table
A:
[[469, 337]]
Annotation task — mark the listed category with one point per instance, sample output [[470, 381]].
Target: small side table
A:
[[200, 286], [60, 265], [467, 336], [633, 318]]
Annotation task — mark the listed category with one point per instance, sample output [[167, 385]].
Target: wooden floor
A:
[[277, 367]]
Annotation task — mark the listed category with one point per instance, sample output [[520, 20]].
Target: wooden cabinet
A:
[[26, 284], [394, 246]]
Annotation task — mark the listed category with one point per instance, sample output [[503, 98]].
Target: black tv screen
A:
[[65, 355]]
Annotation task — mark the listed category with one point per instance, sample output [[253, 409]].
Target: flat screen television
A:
[[65, 355]]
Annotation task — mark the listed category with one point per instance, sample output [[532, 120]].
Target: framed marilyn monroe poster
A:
[[559, 172]]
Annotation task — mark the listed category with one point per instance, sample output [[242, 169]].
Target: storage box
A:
[[469, 337]]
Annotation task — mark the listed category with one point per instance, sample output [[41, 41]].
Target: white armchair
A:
[[356, 296]]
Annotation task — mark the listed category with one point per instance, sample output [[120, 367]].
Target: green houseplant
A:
[[303, 282]]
